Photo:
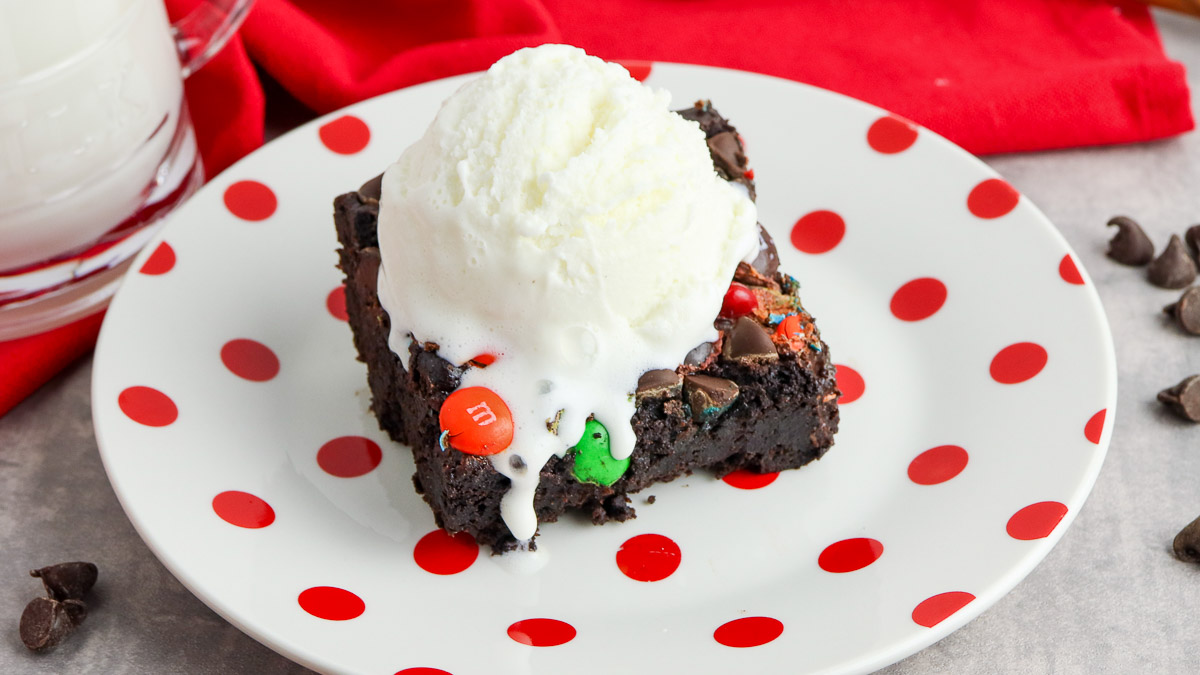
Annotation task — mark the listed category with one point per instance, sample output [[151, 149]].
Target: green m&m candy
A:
[[594, 462]]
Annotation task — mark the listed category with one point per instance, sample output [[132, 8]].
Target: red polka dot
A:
[[638, 70], [442, 553], [818, 232], [346, 135], [542, 632], [1095, 426], [750, 631], [851, 384], [422, 671], [335, 302], [936, 609], [1036, 521], [937, 465], [918, 299], [159, 262], [891, 134], [1018, 362], [849, 555], [250, 200], [349, 456], [331, 603], [992, 198], [648, 557], [148, 406], [1069, 272], [250, 360], [749, 480], [243, 509]]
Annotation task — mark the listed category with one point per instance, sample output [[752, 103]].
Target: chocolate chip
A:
[[727, 155], [46, 621], [702, 113], [1187, 542], [709, 396], [1131, 246], [1192, 237], [749, 342], [433, 371], [1186, 310], [67, 581], [366, 275], [660, 383], [1174, 268], [372, 189], [1184, 398], [767, 260], [650, 499], [699, 355]]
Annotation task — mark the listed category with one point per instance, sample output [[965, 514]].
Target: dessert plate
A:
[[975, 362]]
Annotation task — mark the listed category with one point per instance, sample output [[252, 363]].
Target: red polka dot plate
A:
[[978, 386]]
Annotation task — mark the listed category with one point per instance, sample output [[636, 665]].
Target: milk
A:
[[88, 109]]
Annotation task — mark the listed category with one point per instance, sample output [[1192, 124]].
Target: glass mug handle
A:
[[201, 34]]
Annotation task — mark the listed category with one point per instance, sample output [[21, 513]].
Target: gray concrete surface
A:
[[1110, 598]]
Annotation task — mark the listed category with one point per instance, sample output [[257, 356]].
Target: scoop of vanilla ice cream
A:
[[555, 193], [559, 216]]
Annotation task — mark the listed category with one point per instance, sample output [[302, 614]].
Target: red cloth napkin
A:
[[992, 76]]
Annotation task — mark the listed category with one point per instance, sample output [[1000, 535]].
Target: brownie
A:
[[762, 398]]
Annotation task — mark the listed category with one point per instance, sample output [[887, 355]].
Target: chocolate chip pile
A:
[[47, 621], [1176, 267]]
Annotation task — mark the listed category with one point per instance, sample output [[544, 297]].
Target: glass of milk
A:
[[95, 144]]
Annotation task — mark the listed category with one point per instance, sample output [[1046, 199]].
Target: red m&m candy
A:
[[739, 301], [476, 421]]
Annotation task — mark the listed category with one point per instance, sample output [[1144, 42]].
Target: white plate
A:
[[1032, 448]]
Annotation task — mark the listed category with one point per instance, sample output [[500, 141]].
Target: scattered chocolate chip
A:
[[372, 189], [67, 581], [650, 499], [749, 342], [1174, 268], [1186, 310], [700, 355], [767, 260], [1192, 238], [46, 621], [1184, 398], [1131, 246], [660, 383], [1187, 542], [708, 396], [516, 463]]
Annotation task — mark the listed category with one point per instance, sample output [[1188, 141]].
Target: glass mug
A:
[[96, 146]]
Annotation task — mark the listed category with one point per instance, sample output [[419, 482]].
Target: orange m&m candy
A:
[[791, 331], [476, 421]]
